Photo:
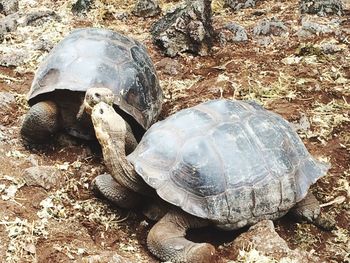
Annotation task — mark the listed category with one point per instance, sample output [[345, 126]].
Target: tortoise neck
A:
[[113, 148]]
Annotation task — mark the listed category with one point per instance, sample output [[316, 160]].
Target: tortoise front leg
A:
[[167, 241], [41, 121], [109, 188], [309, 209]]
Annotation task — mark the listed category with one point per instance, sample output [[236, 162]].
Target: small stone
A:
[[110, 257], [232, 32], [32, 158], [263, 237], [43, 44], [13, 57], [123, 16], [169, 66], [267, 27], [239, 4], [186, 29], [81, 6], [6, 99], [322, 7], [9, 23], [303, 125], [44, 176], [8, 7], [2, 136], [146, 8], [329, 48]]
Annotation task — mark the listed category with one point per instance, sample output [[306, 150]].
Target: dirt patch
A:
[[291, 75]]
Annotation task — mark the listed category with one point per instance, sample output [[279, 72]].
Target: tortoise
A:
[[225, 163], [91, 58]]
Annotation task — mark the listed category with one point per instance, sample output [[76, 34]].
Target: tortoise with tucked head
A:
[[223, 163], [91, 58]]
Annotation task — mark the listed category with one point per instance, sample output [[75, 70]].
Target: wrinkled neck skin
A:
[[111, 134]]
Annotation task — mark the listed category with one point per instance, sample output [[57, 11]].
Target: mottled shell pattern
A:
[[93, 57], [229, 161]]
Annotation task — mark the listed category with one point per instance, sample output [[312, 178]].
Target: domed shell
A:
[[232, 162], [93, 57]]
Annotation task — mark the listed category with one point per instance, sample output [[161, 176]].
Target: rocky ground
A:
[[296, 65]]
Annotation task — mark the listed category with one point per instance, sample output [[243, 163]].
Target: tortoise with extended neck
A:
[[224, 163], [86, 58]]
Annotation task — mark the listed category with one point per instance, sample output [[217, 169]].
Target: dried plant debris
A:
[[322, 7], [304, 237], [339, 245], [60, 205], [326, 118], [23, 236], [284, 87], [8, 191]]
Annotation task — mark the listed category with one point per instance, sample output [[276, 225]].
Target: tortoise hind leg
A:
[[309, 209], [167, 241], [40, 122]]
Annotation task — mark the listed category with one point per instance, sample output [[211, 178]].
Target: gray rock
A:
[[6, 99], [8, 7], [13, 57], [9, 23], [146, 8], [329, 48], [44, 176], [267, 27], [81, 6], [310, 28], [43, 44], [303, 125], [37, 18], [322, 7], [264, 238], [239, 4], [186, 29], [232, 32]]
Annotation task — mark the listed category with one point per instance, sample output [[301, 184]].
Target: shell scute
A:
[[199, 169]]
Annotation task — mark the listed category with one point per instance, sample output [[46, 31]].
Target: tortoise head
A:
[[107, 123], [92, 97]]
